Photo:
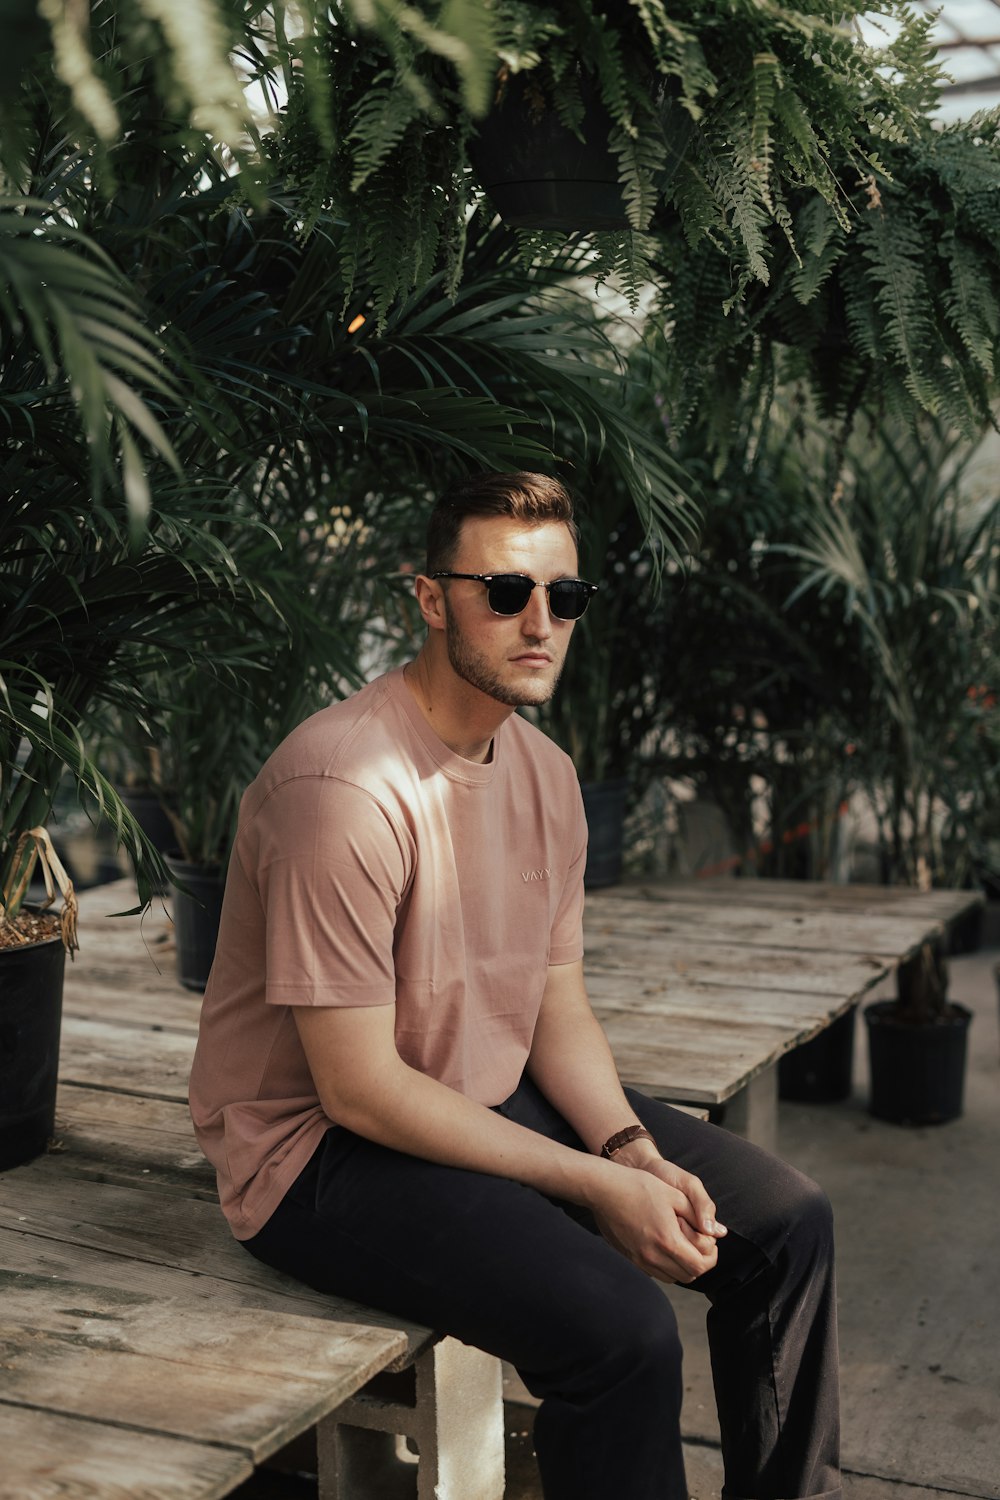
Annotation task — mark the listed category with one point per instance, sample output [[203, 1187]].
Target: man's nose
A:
[[536, 619]]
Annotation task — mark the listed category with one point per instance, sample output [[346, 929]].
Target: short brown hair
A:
[[532, 498]]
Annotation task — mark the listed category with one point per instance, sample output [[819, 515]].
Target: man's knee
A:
[[809, 1216]]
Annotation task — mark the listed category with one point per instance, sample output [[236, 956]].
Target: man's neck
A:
[[461, 716]]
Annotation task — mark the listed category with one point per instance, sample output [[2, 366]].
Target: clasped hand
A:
[[661, 1218]]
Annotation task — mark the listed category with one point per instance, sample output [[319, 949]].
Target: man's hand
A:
[[648, 1220], [699, 1210], [683, 1243]]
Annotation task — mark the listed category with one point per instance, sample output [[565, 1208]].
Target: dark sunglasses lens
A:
[[568, 598], [508, 593]]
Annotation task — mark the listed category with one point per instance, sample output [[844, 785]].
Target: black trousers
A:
[[502, 1267]]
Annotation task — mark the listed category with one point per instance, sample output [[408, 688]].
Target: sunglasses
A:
[[508, 593]]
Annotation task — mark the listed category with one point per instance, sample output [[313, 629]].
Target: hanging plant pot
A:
[[540, 175], [917, 1069], [604, 803], [819, 1072], [196, 919], [31, 990]]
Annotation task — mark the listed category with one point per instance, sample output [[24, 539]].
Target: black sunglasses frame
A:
[[581, 590]]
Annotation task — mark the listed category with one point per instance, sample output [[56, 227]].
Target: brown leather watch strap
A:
[[625, 1137]]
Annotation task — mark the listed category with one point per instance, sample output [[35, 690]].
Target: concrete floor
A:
[[918, 1230]]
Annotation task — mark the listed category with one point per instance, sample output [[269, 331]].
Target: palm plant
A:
[[716, 683], [909, 551], [291, 411], [75, 582]]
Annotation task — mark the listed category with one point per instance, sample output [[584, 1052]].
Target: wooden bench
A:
[[145, 1353]]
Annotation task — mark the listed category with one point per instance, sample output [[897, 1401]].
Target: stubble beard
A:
[[474, 669]]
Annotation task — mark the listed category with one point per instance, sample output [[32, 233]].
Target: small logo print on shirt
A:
[[527, 875]]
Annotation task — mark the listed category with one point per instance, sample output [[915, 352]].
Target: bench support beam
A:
[[453, 1414]]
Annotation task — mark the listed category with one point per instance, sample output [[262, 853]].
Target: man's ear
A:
[[430, 598]]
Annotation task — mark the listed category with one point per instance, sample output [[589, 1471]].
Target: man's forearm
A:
[[571, 1063], [385, 1100], [364, 1085]]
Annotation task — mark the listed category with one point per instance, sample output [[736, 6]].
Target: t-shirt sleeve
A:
[[566, 940], [332, 867]]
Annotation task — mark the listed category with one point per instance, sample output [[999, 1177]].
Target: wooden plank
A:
[[251, 1380], [810, 895], [132, 1140], [686, 1059], [104, 1055], [68, 1223], [125, 970], [891, 937], [711, 962], [99, 992], [47, 1457], [799, 1012]]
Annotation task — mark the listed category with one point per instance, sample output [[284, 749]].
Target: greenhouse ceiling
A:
[[967, 33]]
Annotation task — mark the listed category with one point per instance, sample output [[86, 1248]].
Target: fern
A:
[[820, 239], [896, 253], [971, 301], [641, 161], [385, 115], [766, 82]]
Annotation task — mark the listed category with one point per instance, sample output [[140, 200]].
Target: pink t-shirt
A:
[[375, 866]]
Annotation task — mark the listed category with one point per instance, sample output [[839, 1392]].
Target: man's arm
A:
[[572, 1065], [364, 1085]]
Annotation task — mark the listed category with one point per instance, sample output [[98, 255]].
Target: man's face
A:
[[514, 659]]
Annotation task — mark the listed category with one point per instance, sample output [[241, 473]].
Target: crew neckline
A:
[[457, 767]]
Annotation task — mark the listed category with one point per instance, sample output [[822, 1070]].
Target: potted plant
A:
[[33, 948], [917, 1045], [908, 549], [757, 112], [215, 722], [888, 300]]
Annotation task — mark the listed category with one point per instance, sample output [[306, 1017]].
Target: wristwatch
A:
[[614, 1143]]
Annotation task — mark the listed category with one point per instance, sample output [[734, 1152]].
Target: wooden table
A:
[[144, 1353], [702, 986]]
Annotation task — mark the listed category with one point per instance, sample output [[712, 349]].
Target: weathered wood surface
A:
[[167, 1358], [138, 1233], [247, 1379], [126, 1059], [677, 1057], [754, 925], [634, 989], [145, 1353], [49, 1457], [702, 986], [808, 895], [133, 1140]]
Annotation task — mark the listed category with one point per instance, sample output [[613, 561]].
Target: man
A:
[[405, 1093]]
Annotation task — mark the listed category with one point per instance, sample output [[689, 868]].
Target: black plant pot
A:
[[196, 919], [917, 1070], [819, 1072], [145, 806], [539, 174], [31, 990], [604, 803]]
